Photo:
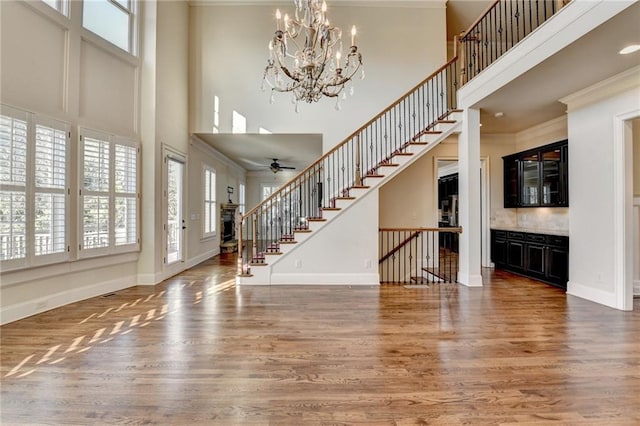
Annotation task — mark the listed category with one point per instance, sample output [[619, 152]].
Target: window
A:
[[108, 194], [209, 201], [239, 123], [268, 189], [113, 20], [241, 199], [59, 5], [33, 183], [216, 114]]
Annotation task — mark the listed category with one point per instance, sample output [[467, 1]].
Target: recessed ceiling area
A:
[[254, 152], [533, 98]]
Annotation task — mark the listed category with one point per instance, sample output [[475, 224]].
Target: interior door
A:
[[174, 209]]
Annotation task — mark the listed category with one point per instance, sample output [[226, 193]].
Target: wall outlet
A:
[[367, 263], [298, 264]]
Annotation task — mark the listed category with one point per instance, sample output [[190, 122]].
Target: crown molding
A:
[[417, 4]]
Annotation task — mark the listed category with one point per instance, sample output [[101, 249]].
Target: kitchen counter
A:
[[559, 232]]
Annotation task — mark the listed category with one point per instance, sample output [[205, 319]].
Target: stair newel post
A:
[[358, 172], [462, 57]]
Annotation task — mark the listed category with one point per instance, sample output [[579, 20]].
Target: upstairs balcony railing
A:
[[503, 25]]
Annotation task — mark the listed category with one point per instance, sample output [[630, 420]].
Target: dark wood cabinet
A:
[[539, 256], [537, 177]]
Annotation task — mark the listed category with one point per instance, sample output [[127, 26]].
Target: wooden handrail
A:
[[399, 246], [351, 136], [480, 18], [455, 229]]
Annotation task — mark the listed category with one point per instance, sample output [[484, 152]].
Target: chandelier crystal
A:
[[306, 58]]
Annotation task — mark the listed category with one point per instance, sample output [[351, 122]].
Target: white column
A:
[[469, 199]]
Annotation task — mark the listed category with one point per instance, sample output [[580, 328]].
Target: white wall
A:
[[348, 244], [400, 47], [165, 119], [227, 174], [52, 66], [594, 249]]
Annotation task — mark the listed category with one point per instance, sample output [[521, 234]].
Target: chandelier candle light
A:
[[302, 59]]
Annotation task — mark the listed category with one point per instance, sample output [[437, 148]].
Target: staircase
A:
[[376, 152]]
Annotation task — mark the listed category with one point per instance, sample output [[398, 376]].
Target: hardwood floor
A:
[[198, 350]]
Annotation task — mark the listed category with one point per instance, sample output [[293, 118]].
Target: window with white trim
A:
[[34, 192], [216, 114], [241, 198], [108, 194], [268, 189], [59, 5], [238, 123], [209, 201], [112, 20]]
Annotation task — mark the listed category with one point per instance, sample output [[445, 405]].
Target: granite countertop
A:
[[560, 232]]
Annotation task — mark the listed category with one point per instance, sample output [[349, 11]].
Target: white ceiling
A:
[[255, 152]]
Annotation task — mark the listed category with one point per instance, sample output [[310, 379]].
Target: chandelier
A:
[[305, 56]]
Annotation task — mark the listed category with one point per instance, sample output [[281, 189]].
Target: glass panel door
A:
[[551, 177], [175, 211], [530, 180]]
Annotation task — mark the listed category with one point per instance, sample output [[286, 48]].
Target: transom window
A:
[[59, 5], [113, 20]]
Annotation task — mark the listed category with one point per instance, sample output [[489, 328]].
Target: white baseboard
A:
[[158, 277], [325, 279], [470, 280], [32, 307], [592, 294]]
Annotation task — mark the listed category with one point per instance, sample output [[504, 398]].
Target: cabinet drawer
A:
[[500, 235], [516, 235], [536, 238], [558, 241]]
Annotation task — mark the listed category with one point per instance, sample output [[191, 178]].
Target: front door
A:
[[174, 209]]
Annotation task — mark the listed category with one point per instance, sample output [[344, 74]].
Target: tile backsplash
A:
[[543, 218]]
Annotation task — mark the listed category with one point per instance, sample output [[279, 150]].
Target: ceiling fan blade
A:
[[287, 167]]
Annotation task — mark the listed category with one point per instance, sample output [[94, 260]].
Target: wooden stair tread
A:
[[274, 253], [389, 165], [257, 264], [360, 186], [374, 176], [316, 219], [287, 242], [408, 154], [302, 230], [447, 121], [331, 208], [418, 143], [345, 198], [433, 132]]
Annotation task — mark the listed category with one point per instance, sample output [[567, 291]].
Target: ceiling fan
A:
[[276, 167]]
